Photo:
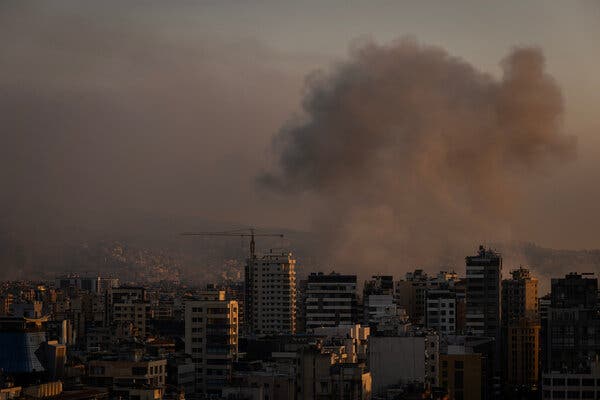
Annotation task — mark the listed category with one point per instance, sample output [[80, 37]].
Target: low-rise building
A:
[[461, 374], [181, 373], [118, 374], [354, 339], [130, 305], [397, 360], [583, 384], [323, 376]]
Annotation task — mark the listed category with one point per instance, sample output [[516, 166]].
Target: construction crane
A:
[[248, 232]]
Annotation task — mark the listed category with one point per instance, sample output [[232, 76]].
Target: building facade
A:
[[573, 325], [330, 300], [270, 305], [484, 272], [520, 297], [129, 305], [211, 337], [584, 384], [442, 311], [461, 374], [522, 353], [521, 329], [395, 360], [378, 299], [128, 373]]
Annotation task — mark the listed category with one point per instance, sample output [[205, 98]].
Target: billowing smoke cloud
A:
[[415, 156]]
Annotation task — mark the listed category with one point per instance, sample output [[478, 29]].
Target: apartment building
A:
[[271, 293], [129, 305], [484, 272], [442, 311], [330, 300], [211, 337]]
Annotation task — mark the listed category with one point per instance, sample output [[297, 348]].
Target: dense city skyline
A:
[[266, 200], [276, 335]]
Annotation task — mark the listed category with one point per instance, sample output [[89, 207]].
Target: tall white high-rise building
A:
[[271, 293]]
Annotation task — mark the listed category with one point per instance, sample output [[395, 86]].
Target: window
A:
[[139, 371], [98, 370], [458, 379]]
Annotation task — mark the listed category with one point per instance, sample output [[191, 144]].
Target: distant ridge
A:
[[145, 248]]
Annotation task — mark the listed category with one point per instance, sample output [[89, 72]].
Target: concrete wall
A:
[[396, 359]]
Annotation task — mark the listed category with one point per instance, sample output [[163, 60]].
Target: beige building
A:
[[461, 375], [523, 350], [43, 390], [211, 338], [10, 392], [270, 304], [521, 327], [123, 374], [130, 305], [519, 296], [323, 375]]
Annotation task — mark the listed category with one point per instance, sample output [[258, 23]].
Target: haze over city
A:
[[307, 200], [390, 131]]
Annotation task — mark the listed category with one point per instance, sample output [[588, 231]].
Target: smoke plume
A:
[[415, 156]]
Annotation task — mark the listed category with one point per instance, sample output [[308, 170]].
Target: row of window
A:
[[571, 381], [571, 394], [442, 312]]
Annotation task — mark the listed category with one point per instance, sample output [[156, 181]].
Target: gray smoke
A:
[[415, 156]]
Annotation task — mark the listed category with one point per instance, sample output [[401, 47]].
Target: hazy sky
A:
[[169, 108]]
